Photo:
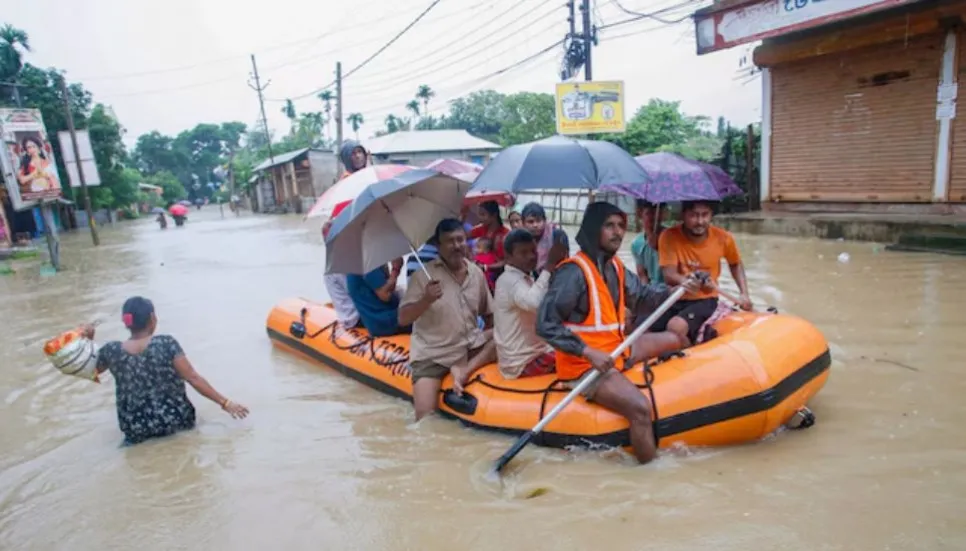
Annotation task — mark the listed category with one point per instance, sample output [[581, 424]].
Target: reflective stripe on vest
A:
[[593, 298]]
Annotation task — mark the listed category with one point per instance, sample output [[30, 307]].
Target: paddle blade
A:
[[513, 451]]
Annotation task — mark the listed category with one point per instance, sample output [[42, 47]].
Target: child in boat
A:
[[485, 257], [150, 372]]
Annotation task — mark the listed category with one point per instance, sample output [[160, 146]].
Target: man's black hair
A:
[[136, 313], [689, 205], [643, 204], [533, 210], [446, 225], [516, 237]]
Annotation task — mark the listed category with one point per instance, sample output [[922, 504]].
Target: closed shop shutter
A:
[[859, 125], [957, 169]]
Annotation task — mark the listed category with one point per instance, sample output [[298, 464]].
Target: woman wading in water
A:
[[150, 372]]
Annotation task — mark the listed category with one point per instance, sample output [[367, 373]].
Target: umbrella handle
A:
[[420, 261]]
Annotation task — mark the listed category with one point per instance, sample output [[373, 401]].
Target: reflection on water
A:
[[325, 463]]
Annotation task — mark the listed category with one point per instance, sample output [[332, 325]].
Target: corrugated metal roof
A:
[[424, 141], [279, 159]]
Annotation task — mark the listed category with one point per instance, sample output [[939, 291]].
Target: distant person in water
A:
[[150, 372]]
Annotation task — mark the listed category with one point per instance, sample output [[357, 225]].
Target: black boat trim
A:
[[666, 427]]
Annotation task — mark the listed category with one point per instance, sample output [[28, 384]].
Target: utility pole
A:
[[338, 113], [588, 38], [261, 104], [65, 93]]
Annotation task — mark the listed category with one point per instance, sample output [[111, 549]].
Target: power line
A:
[[373, 56], [431, 68], [449, 46], [405, 55], [516, 65], [655, 15], [509, 49], [240, 57]]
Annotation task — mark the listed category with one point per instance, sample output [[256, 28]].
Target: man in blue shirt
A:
[[644, 247], [374, 296]]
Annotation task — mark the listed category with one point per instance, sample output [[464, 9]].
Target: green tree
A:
[[528, 116], [662, 126], [393, 124], [480, 113], [424, 93], [289, 111], [326, 97], [413, 107], [119, 184], [12, 41], [171, 188], [356, 121]]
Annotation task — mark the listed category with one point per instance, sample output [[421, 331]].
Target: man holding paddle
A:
[[582, 316]]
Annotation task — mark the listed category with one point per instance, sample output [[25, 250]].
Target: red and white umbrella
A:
[[347, 189], [503, 198], [452, 167]]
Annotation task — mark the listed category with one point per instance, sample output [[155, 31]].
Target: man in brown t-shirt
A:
[[443, 310]]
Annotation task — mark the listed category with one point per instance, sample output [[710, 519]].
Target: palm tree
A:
[[393, 124], [425, 93], [356, 120], [313, 125], [413, 106], [12, 41], [326, 97], [289, 111]]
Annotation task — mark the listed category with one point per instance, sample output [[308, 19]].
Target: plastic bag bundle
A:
[[73, 354]]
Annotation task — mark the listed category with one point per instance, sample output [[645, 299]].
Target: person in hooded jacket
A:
[[353, 156], [582, 316]]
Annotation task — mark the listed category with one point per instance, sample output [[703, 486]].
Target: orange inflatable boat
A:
[[760, 371]]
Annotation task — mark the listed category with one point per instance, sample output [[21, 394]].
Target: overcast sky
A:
[[167, 65]]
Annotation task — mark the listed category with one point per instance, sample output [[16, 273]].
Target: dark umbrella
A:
[[677, 178], [560, 163]]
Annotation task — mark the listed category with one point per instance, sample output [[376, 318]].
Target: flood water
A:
[[326, 463]]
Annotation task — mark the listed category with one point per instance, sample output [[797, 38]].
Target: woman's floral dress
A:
[[151, 397]]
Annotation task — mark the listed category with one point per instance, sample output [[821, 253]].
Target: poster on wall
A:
[[30, 170]]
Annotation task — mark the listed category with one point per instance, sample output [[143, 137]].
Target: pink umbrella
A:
[[348, 188], [178, 210], [452, 167]]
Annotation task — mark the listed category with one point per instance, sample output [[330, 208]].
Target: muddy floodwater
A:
[[326, 463]]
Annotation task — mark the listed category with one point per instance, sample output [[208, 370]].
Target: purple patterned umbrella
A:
[[676, 178]]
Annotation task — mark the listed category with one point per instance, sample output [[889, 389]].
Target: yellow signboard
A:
[[595, 107]]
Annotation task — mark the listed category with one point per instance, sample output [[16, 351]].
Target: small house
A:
[[291, 182], [421, 147]]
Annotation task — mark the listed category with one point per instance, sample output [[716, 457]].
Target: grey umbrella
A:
[[390, 218], [560, 163]]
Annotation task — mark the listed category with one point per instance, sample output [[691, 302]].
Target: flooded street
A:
[[326, 463]]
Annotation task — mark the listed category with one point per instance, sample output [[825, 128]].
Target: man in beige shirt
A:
[[443, 310], [520, 351]]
